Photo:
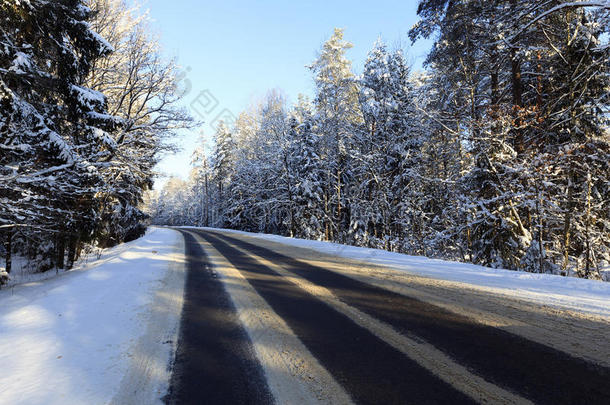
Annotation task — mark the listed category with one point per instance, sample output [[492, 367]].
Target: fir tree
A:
[[338, 121], [55, 131]]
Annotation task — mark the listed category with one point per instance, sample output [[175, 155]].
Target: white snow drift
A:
[[100, 334]]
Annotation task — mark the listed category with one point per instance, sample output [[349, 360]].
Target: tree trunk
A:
[[60, 245], [568, 222], [495, 109], [587, 229], [326, 219], [339, 219], [207, 202], [72, 245], [9, 251], [495, 93], [517, 91], [540, 227]]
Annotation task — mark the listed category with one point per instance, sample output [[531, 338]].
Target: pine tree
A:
[[443, 162], [388, 199], [574, 142], [54, 131], [222, 163], [308, 172], [201, 185], [468, 54], [505, 60], [338, 121]]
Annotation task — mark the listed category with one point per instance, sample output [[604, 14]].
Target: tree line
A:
[[497, 154], [87, 104]]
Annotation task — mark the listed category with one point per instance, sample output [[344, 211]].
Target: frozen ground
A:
[[587, 296], [102, 333], [23, 273]]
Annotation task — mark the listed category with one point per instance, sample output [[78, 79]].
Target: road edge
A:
[[148, 377]]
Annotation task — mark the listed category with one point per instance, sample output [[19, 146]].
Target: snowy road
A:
[[301, 326], [253, 319]]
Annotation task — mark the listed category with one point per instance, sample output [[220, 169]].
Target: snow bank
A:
[[93, 334], [24, 271], [587, 296]]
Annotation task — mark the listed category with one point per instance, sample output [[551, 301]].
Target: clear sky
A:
[[233, 52]]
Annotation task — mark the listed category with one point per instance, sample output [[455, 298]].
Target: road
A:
[[265, 323]]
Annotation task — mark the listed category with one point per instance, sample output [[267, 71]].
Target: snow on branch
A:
[[605, 4]]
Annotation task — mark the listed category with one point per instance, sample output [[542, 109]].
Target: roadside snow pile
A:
[[26, 271], [102, 333], [577, 294]]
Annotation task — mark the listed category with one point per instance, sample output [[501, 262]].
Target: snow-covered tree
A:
[[307, 171], [82, 122], [389, 188], [223, 166], [55, 131], [142, 92], [338, 121], [573, 142], [509, 61], [496, 154]]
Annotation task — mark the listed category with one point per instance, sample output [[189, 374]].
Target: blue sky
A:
[[233, 52]]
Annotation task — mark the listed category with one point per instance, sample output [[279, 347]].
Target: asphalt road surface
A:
[[376, 346]]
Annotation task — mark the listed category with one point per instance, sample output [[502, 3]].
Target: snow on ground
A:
[[23, 272], [101, 333], [587, 296]]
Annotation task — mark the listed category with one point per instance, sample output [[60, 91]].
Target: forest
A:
[[497, 153], [87, 106]]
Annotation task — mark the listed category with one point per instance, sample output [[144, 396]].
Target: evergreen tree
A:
[[497, 154], [573, 143], [388, 184], [54, 131], [222, 162], [308, 172], [338, 121]]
